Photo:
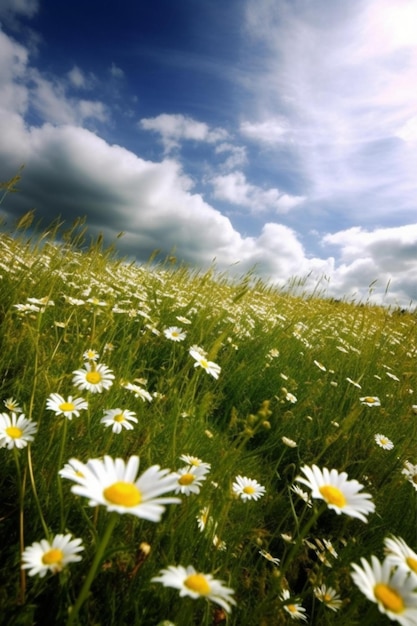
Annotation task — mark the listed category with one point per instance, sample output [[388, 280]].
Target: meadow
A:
[[178, 447]]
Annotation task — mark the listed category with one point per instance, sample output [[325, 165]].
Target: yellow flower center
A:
[[93, 377], [67, 406], [122, 493], [412, 563], [333, 495], [52, 556], [204, 363], [186, 479], [369, 399], [292, 608], [248, 489], [197, 583], [327, 597], [119, 418], [389, 598], [14, 432]]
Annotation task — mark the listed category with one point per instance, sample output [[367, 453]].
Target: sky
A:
[[270, 136]]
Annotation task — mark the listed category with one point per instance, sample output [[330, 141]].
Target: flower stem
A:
[[93, 569], [35, 494]]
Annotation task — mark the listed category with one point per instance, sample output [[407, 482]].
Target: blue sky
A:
[[276, 135]]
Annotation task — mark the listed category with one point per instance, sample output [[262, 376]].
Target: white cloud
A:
[[269, 131], [116, 72], [234, 188], [27, 8], [13, 66], [175, 128], [237, 155], [77, 78]]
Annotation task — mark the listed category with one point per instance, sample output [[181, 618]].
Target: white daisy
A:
[[341, 495], [12, 405], [190, 479], [94, 377], [294, 609], [401, 555], [91, 355], [44, 556], [383, 442], [16, 431], [175, 334], [370, 401], [247, 488], [138, 392], [194, 584], [392, 590], [114, 484], [302, 494], [266, 555], [211, 368], [69, 408], [195, 461], [328, 596], [410, 472], [118, 419]]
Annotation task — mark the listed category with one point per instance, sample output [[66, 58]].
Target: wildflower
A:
[[69, 408], [113, 483], [193, 460], [302, 494], [289, 442], [138, 392], [190, 479], [174, 333], [399, 554], [383, 442], [353, 382], [320, 366], [247, 488], [12, 405], [328, 596], [91, 355], [16, 431], [290, 397], [414, 408], [295, 610], [44, 556], [96, 301], [341, 495], [73, 470], [118, 419], [194, 584], [392, 590], [370, 401], [410, 472], [211, 368], [183, 320], [269, 557], [94, 378], [393, 376]]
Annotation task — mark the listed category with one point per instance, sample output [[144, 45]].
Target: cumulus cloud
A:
[[28, 8], [269, 131], [234, 188], [174, 128]]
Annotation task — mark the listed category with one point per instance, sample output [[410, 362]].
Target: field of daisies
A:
[[178, 448]]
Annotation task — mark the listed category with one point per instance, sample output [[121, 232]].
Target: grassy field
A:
[[236, 391]]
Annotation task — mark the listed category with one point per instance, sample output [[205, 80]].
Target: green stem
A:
[[35, 494], [22, 485], [93, 569], [60, 460]]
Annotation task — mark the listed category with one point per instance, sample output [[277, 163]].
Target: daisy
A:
[[12, 405], [118, 419], [73, 470], [353, 382], [194, 584], [384, 442], [211, 368], [302, 494], [114, 484], [295, 610], [370, 401], [320, 366], [190, 479], [69, 408], [392, 590], [93, 377], [44, 556], [247, 488], [410, 472], [91, 355], [289, 442], [195, 461], [290, 397], [203, 518], [269, 557], [138, 392], [341, 495], [16, 431], [174, 333], [399, 554], [328, 596]]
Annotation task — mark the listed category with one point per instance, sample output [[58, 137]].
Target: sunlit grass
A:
[[110, 359]]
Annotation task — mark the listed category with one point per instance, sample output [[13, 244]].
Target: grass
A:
[[293, 370]]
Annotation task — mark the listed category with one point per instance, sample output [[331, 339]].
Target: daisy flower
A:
[[354, 383], [289, 442], [301, 494], [341, 495], [266, 555], [195, 461], [295, 610], [328, 596], [290, 397], [203, 518], [93, 377], [44, 556], [392, 590], [114, 484], [190, 479], [118, 419], [383, 442], [12, 405], [399, 554], [73, 470], [200, 361], [69, 408], [410, 472], [138, 392], [194, 584], [16, 431], [247, 488], [370, 401], [175, 334], [91, 355]]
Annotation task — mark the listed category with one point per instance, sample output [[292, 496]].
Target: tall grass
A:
[[293, 370]]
